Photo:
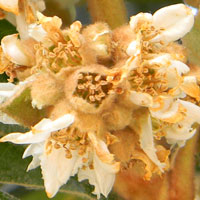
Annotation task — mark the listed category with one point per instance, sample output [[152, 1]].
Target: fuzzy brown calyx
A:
[[92, 89], [98, 42], [121, 38], [46, 90]]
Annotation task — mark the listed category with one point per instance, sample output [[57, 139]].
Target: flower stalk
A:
[[111, 12]]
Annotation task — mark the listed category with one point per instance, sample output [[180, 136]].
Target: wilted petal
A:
[[141, 99], [56, 169], [176, 20], [14, 50]]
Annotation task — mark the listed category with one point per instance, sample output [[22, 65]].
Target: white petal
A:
[[134, 48], [182, 131], [192, 113], [162, 59], [177, 20], [141, 99], [34, 163], [147, 141], [60, 123], [6, 91], [56, 169], [34, 149], [14, 50], [179, 134], [39, 132], [26, 138], [139, 19], [181, 67], [37, 32], [102, 176], [169, 109]]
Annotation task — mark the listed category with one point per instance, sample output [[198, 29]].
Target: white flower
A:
[[173, 22], [98, 166]]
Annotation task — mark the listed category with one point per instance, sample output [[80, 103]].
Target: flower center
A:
[[93, 87], [148, 80], [69, 139], [58, 57]]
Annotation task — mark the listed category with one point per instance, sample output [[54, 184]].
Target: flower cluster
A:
[[97, 87]]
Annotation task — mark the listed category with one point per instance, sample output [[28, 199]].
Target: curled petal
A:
[[14, 50], [175, 20]]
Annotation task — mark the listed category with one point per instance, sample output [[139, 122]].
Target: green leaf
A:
[[13, 171], [20, 109], [192, 42], [6, 28], [6, 196], [8, 128]]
